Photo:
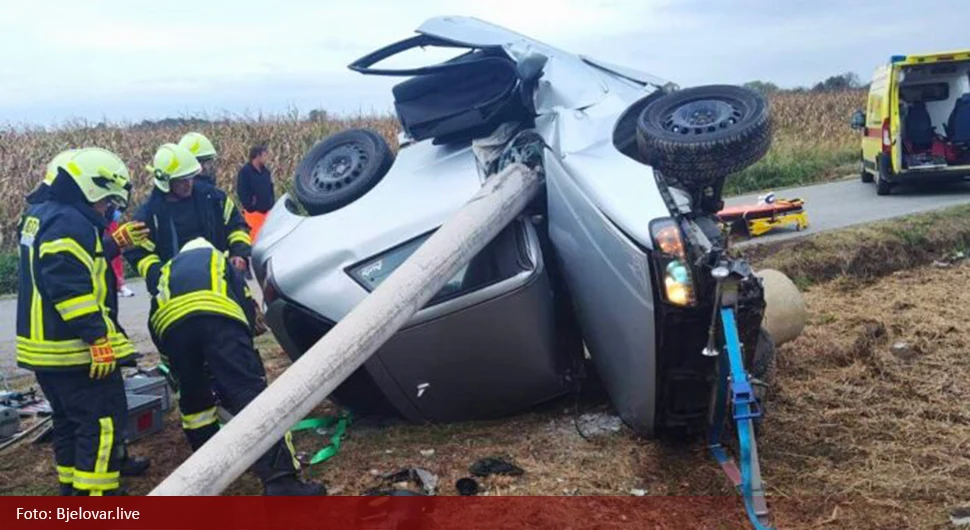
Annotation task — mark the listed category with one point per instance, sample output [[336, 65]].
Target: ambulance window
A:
[[925, 92]]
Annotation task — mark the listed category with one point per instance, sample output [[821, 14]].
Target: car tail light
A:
[[887, 141], [671, 255]]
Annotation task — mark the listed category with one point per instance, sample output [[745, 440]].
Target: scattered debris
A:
[[940, 264], [467, 486], [638, 492], [427, 452], [599, 423], [495, 466], [903, 351], [960, 516], [407, 480], [375, 473]]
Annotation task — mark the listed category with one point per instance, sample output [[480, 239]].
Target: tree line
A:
[[835, 83]]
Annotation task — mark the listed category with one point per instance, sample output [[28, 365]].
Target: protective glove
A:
[[102, 359], [130, 234]]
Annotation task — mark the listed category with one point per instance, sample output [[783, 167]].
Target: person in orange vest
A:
[[254, 186]]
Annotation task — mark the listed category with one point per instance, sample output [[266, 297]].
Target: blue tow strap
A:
[[734, 385]]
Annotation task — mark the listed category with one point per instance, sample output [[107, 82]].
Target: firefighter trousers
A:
[[88, 428], [213, 357]]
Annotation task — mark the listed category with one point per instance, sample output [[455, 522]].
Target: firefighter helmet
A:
[[99, 173], [173, 162], [198, 145]]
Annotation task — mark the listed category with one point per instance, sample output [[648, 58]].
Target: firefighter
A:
[[204, 152], [203, 320], [179, 210], [114, 242], [67, 328]]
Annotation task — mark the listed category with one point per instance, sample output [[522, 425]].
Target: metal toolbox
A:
[[144, 415]]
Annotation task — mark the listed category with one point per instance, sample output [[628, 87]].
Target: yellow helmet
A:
[[173, 162], [198, 145], [99, 173], [61, 157]]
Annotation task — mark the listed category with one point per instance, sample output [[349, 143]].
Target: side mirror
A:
[[858, 120]]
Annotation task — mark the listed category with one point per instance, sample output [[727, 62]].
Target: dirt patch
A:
[[870, 251]]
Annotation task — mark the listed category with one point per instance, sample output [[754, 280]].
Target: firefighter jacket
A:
[[200, 281], [220, 221], [67, 297]]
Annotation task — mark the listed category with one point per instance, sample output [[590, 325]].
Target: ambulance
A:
[[916, 125]]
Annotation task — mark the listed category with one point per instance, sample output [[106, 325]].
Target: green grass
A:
[[8, 272], [787, 166]]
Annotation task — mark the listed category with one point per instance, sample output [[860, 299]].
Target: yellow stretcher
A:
[[761, 218]]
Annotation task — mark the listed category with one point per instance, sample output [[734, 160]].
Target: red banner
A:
[[372, 513]]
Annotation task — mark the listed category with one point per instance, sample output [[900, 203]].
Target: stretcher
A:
[[768, 214]]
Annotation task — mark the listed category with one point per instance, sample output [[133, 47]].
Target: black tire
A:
[[884, 185], [341, 169], [699, 135]]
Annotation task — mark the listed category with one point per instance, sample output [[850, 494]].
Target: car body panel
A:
[[609, 279], [487, 352]]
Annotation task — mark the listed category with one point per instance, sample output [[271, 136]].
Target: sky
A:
[[128, 60]]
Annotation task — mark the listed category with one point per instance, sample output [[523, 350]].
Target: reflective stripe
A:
[[288, 438], [65, 474], [87, 480], [66, 353], [76, 307], [240, 236], [105, 444], [99, 277], [70, 246], [164, 293], [145, 264], [200, 301], [200, 419], [227, 211], [217, 269], [36, 304]]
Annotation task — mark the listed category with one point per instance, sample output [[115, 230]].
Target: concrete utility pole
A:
[[355, 338]]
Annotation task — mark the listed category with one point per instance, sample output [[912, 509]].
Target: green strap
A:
[[333, 448]]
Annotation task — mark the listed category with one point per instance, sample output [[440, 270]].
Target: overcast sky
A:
[[131, 60]]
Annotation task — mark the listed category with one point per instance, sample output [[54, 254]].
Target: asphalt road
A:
[[850, 202], [829, 206]]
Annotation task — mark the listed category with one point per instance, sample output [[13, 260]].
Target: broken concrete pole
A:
[[355, 338], [785, 313]]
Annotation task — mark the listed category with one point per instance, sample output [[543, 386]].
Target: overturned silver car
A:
[[615, 258]]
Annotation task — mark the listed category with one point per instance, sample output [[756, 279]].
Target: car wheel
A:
[[883, 185], [699, 135], [341, 169], [866, 177]]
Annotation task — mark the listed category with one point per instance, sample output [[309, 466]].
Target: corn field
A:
[[810, 120]]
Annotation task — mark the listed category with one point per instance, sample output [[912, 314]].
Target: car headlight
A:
[[671, 256]]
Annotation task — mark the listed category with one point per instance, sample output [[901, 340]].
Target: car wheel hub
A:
[[339, 168], [702, 116]]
